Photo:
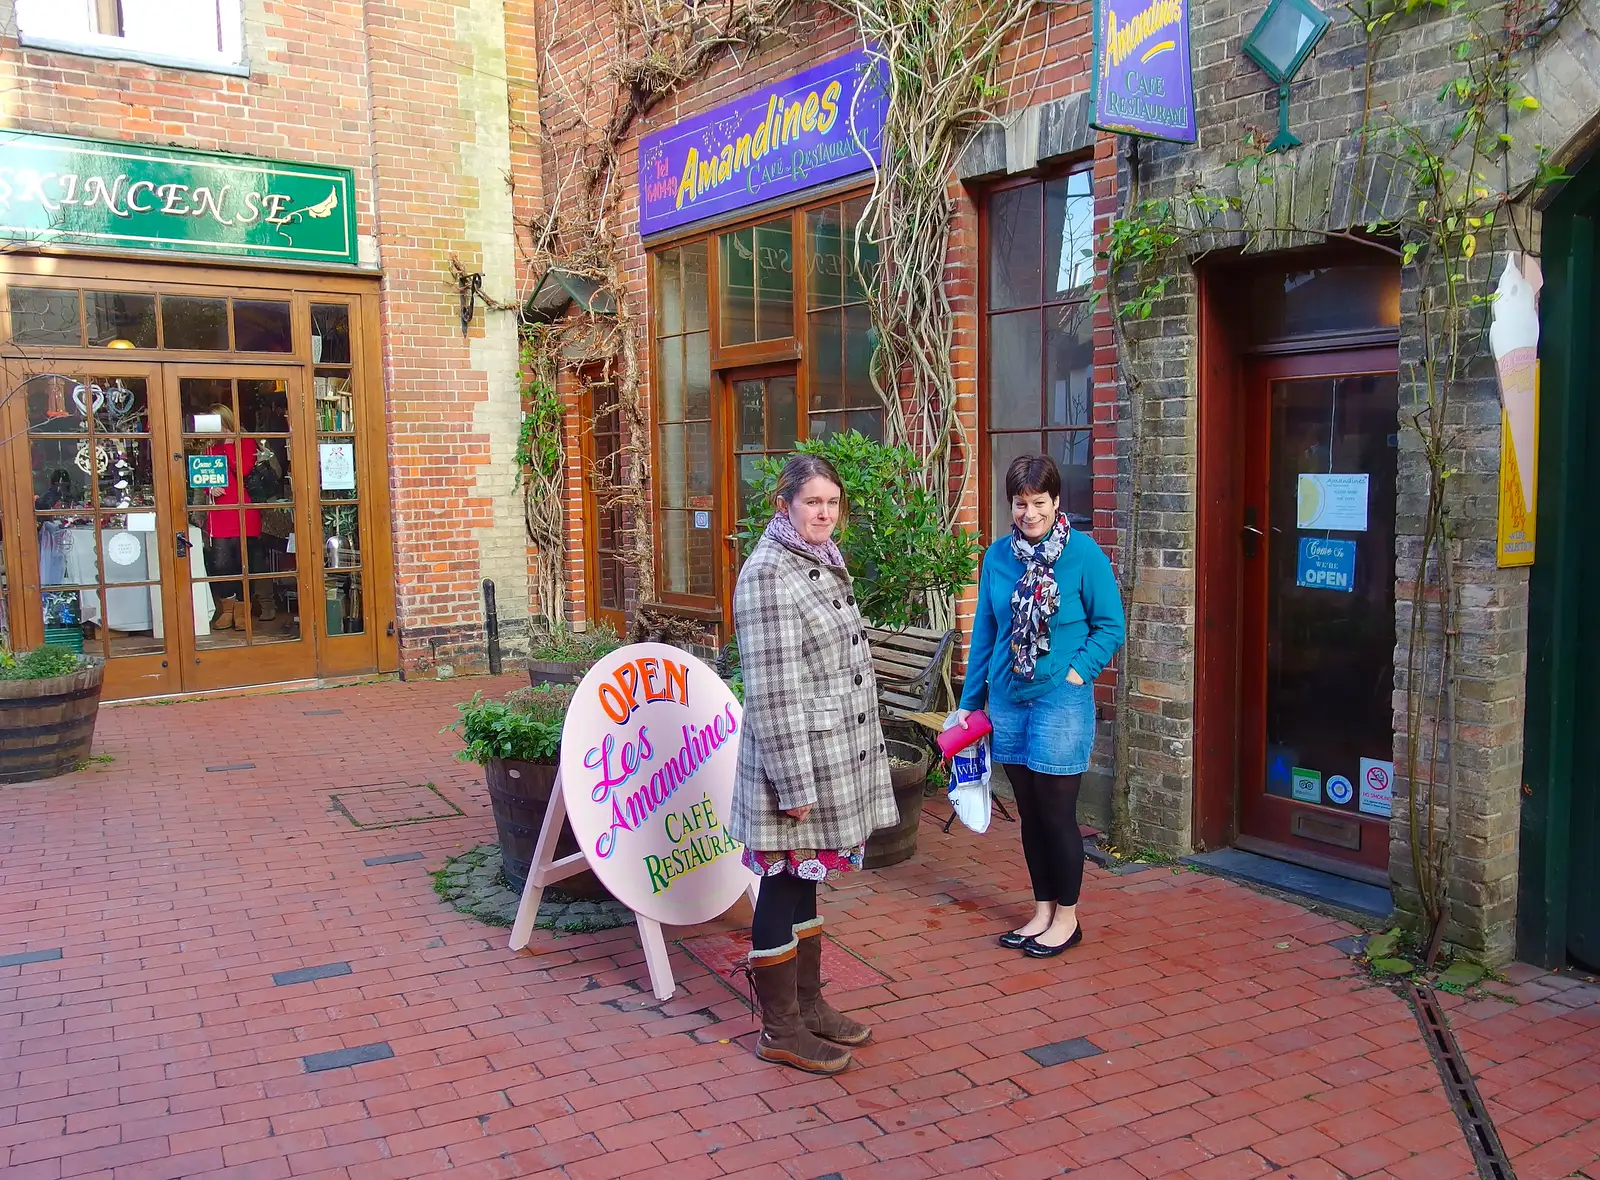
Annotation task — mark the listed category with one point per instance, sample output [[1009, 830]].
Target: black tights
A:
[[785, 901], [1047, 805]]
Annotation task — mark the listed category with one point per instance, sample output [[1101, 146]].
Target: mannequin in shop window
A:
[[224, 554]]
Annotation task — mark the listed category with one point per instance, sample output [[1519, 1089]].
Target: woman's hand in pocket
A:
[[1073, 677], [799, 814]]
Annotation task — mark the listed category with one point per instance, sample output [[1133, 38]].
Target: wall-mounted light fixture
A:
[[1280, 43]]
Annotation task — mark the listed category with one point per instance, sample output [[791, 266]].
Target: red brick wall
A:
[[375, 87]]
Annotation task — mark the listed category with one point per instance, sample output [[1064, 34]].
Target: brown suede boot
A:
[[821, 1017], [223, 620], [784, 1037]]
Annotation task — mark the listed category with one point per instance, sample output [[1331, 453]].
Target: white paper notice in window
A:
[[338, 460], [1336, 502]]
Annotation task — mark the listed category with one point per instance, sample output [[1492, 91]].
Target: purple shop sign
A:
[[807, 130], [1143, 84]]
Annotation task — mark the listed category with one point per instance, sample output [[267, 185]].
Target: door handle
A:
[[184, 544]]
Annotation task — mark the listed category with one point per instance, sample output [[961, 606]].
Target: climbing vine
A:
[[540, 470], [940, 64], [585, 111], [1457, 209]]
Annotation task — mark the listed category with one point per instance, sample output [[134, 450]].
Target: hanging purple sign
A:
[[1143, 84], [804, 131]]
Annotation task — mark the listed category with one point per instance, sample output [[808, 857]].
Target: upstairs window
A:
[[204, 33]]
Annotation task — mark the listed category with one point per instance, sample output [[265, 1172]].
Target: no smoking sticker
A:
[[1377, 787]]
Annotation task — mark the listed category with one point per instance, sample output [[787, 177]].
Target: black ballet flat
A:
[[1035, 949], [1013, 941]]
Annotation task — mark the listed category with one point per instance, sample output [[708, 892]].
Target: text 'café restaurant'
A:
[[192, 473]]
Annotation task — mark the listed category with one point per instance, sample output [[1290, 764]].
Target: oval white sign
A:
[[648, 753]]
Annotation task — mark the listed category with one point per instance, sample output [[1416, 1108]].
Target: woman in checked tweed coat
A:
[[813, 774]]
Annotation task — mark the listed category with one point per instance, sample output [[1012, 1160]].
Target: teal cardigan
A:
[[1085, 632]]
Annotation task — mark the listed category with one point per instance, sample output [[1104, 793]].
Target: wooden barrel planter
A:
[[519, 793], [908, 771], [557, 671], [47, 726]]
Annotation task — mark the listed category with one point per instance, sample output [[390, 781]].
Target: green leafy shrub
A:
[[524, 727], [559, 644], [39, 664], [892, 540]]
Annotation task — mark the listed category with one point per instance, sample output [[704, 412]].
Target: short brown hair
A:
[[801, 470], [1030, 474]]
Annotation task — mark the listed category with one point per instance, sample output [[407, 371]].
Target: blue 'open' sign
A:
[[1326, 564]]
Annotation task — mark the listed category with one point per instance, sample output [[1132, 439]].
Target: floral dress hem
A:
[[809, 864]]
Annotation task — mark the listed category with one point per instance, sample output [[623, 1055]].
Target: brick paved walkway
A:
[[159, 895]]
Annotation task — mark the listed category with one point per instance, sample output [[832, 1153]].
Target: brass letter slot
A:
[[1326, 829]]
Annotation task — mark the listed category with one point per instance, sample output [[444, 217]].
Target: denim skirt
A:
[[1051, 735]]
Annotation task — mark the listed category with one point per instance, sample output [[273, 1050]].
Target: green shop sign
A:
[[60, 191]]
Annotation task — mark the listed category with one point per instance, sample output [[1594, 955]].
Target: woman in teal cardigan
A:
[[1049, 621]]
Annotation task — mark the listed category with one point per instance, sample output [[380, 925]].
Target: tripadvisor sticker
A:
[[648, 754]]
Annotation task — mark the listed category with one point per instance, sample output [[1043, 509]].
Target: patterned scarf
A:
[[781, 529], [1036, 597]]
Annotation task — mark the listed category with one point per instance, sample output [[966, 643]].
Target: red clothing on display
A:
[[226, 524]]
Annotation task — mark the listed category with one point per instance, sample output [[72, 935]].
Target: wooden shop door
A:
[[1317, 632]]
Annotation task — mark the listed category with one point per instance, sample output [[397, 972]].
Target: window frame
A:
[[714, 608], [118, 48], [1042, 178]]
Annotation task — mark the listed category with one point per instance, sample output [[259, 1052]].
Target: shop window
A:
[[838, 344], [120, 321], [44, 316], [1307, 302], [202, 32], [1039, 363], [343, 500], [262, 325], [683, 415], [757, 282], [188, 322]]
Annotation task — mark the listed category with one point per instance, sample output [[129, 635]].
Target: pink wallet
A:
[[955, 739]]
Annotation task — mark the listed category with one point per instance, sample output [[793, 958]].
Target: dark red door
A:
[[1318, 633]]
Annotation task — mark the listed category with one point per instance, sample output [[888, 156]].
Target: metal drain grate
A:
[[1458, 1084]]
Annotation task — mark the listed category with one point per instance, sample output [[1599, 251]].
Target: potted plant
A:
[[562, 656], [901, 556], [908, 775], [517, 741], [49, 701]]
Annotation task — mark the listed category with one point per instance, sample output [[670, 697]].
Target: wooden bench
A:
[[911, 663]]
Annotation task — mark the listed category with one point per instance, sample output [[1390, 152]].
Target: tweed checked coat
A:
[[810, 732]]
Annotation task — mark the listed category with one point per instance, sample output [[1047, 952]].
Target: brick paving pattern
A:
[[197, 1022]]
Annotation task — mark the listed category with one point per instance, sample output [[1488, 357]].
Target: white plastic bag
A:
[[969, 783]]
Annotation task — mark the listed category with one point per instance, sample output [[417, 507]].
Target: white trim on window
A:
[[116, 49], [145, 33]]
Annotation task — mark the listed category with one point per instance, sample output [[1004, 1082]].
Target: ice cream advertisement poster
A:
[[1514, 338], [648, 754]]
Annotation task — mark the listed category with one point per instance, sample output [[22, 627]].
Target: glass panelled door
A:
[[765, 409], [606, 528], [1319, 633], [239, 582], [101, 534]]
